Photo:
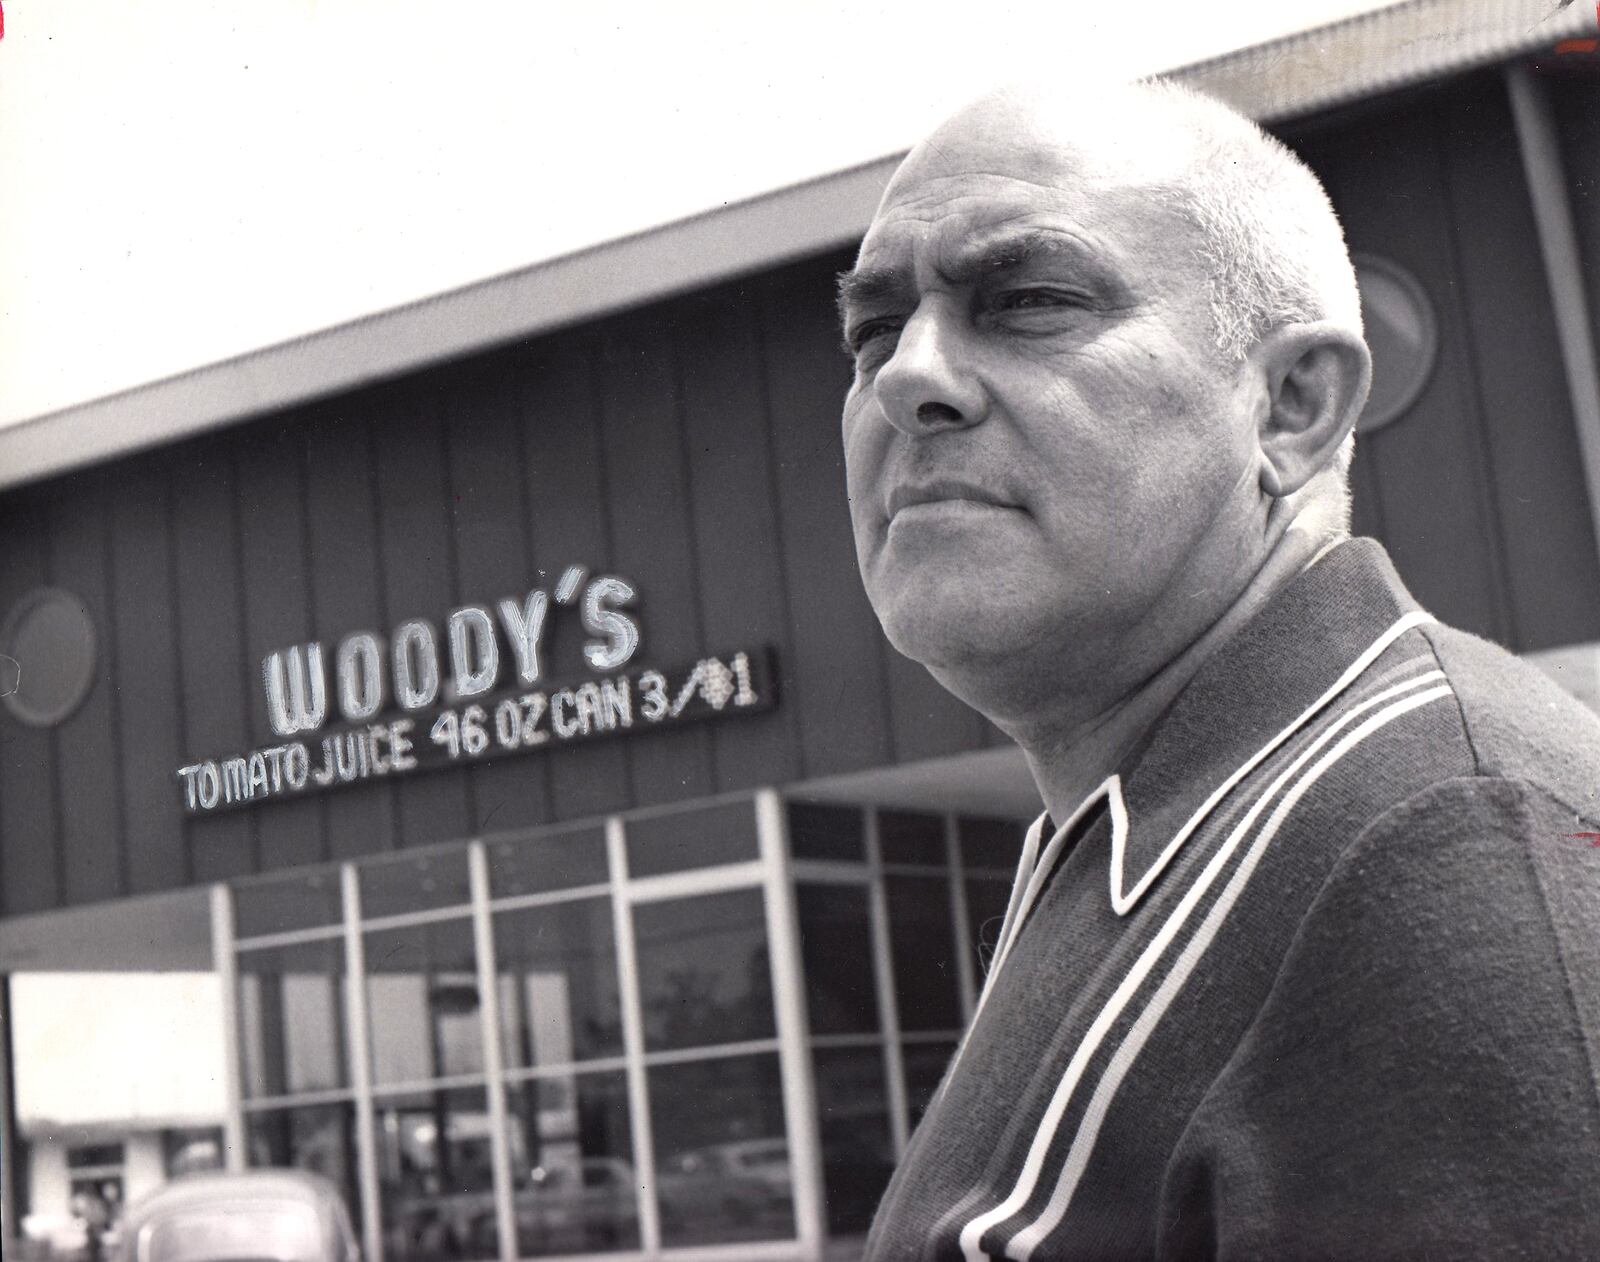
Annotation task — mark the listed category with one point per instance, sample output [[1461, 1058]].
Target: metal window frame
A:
[[644, 1156], [225, 961], [358, 1047], [774, 873], [894, 1069]]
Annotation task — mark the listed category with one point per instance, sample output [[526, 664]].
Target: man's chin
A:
[[949, 630]]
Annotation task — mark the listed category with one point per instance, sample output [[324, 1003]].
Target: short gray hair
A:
[[1271, 245], [1273, 248]]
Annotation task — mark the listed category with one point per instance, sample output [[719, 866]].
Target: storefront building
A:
[[483, 696]]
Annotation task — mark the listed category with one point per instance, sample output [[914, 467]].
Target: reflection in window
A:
[[538, 865], [414, 882], [925, 1064], [704, 972], [722, 1159], [321, 1139], [692, 839], [558, 983], [436, 1185], [857, 1148], [422, 993], [291, 1018], [922, 950], [836, 949], [572, 1175]]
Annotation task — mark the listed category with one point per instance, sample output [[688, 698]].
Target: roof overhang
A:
[[1315, 70]]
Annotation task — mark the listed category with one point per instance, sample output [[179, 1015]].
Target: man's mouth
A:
[[945, 491]]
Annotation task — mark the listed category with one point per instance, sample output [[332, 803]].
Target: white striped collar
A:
[[1269, 682]]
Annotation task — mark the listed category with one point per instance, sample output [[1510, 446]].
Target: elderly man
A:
[[1303, 959]]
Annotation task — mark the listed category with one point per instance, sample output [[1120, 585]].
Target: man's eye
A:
[[869, 331], [1036, 299]]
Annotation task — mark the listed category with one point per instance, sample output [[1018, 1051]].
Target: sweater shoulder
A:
[[1519, 725]]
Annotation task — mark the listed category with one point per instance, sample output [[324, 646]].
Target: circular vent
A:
[[1403, 335], [48, 645]]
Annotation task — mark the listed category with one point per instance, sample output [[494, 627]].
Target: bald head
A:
[[1266, 237]]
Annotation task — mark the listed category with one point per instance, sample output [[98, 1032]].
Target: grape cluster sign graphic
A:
[[413, 700]]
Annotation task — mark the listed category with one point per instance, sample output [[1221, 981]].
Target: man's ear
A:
[[1317, 376]]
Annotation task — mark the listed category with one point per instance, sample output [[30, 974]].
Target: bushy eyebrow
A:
[[876, 286]]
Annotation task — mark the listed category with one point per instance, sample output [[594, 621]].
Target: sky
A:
[[185, 181]]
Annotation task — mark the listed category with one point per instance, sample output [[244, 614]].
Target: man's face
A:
[[1041, 440]]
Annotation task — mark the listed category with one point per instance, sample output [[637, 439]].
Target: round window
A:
[[47, 666], [1403, 335]]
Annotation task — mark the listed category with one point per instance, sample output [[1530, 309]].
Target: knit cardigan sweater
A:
[[1316, 975]]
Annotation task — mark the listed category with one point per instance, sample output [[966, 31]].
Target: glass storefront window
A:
[[827, 832], [422, 997], [923, 952], [857, 1147], [682, 840], [291, 1018], [704, 972], [320, 1138], [435, 1176], [574, 1189], [414, 882], [559, 994], [911, 837], [539, 865], [836, 952], [722, 1156], [301, 900]]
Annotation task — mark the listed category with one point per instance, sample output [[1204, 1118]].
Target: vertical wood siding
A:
[[693, 449]]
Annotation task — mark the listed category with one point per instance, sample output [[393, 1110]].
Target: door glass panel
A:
[[422, 993], [911, 837], [722, 1157], [836, 949], [704, 972], [857, 1145], [922, 949], [435, 1182], [291, 1018], [558, 983], [572, 1173], [827, 832]]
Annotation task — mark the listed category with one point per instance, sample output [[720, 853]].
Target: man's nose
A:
[[927, 386]]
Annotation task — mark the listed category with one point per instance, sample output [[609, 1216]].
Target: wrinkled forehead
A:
[[1023, 163]]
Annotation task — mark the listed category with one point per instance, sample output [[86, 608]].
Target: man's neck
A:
[[1069, 765]]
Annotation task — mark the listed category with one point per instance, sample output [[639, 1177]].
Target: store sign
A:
[[418, 699]]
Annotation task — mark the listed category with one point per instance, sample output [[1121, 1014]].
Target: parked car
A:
[[566, 1209], [258, 1216], [744, 1185]]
